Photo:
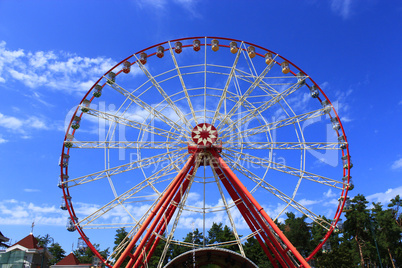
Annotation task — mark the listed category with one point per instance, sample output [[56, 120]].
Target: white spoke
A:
[[274, 125], [183, 85], [126, 144], [225, 89], [145, 162], [286, 169], [176, 109], [254, 111], [283, 145], [134, 124], [246, 94], [274, 191], [127, 195], [149, 109]]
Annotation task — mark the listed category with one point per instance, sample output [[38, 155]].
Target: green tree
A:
[[218, 234], [154, 261], [255, 253], [357, 228], [58, 253], [387, 233], [43, 241], [344, 256], [120, 235], [87, 255], [297, 231], [214, 234], [180, 249], [396, 210]]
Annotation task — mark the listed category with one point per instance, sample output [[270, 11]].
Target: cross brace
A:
[[279, 250]]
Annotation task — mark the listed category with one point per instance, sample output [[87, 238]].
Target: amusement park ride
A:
[[183, 137]]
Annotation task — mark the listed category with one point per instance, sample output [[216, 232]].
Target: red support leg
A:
[[279, 252], [242, 190], [161, 210], [250, 220], [175, 183], [160, 229]]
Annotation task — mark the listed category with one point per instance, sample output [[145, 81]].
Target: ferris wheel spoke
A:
[[176, 109], [183, 84], [222, 99], [141, 163], [246, 94], [227, 209], [277, 193], [283, 145], [126, 144], [151, 110], [121, 199], [267, 88], [286, 169], [134, 124], [260, 109], [273, 125]]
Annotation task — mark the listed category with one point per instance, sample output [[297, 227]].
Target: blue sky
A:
[[51, 53]]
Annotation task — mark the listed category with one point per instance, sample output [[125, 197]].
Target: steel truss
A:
[[276, 246], [251, 102]]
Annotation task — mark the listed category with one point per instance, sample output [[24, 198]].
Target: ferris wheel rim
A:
[[346, 153]]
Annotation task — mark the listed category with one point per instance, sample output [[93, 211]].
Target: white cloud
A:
[[397, 164], [54, 70], [329, 194], [346, 119], [19, 125], [2, 140], [385, 197], [189, 5], [306, 202], [42, 209], [40, 58], [10, 122], [31, 190], [153, 3], [342, 8]]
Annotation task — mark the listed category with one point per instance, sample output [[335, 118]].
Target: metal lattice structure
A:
[[198, 130]]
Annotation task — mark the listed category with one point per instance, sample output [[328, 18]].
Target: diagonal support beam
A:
[[240, 188], [250, 220], [160, 229], [154, 215]]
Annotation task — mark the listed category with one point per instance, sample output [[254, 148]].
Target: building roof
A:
[[29, 242], [70, 259], [3, 238]]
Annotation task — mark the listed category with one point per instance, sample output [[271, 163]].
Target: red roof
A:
[[69, 260], [29, 242]]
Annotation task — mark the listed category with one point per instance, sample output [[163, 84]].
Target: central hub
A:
[[204, 134]]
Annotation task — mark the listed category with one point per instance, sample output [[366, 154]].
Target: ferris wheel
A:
[[197, 131]]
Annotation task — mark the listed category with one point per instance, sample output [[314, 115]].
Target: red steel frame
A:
[[64, 170], [273, 242]]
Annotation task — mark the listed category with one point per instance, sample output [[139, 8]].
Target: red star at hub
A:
[[204, 134]]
